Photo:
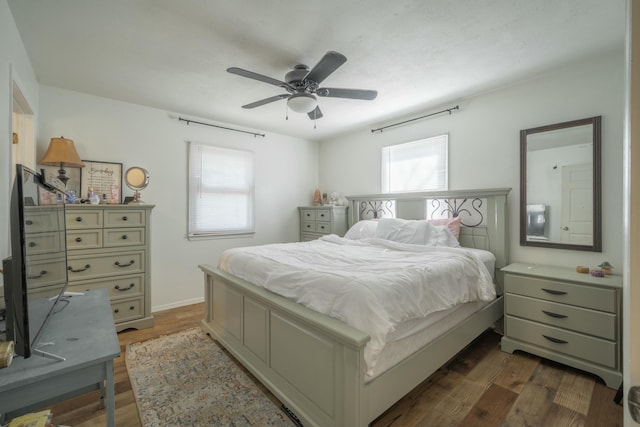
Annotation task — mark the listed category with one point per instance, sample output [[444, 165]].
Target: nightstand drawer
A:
[[603, 299], [309, 226], [123, 237], [79, 219], [84, 239], [308, 214], [323, 227], [573, 344], [323, 215], [591, 322]]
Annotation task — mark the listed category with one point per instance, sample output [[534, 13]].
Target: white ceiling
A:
[[418, 54]]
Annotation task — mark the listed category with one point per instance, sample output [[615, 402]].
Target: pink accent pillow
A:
[[453, 224]]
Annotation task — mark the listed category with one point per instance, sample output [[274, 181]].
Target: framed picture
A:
[[51, 176], [104, 178]]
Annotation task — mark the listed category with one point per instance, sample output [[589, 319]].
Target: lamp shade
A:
[[62, 151], [302, 102]]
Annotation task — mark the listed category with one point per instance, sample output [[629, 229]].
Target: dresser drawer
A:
[[40, 219], [306, 237], [119, 218], [590, 322], [84, 239], [323, 214], [573, 344], [117, 287], [91, 266], [47, 271], [115, 237], [43, 243], [127, 310], [603, 299], [82, 219]]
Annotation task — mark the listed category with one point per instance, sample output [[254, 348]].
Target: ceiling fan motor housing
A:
[[297, 74]]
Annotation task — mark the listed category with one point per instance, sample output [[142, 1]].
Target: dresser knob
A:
[[116, 311], [78, 239], [32, 244], [124, 218], [29, 222], [124, 237], [78, 219]]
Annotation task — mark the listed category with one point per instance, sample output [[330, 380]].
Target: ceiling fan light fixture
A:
[[302, 102]]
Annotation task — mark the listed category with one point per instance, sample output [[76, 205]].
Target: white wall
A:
[[14, 66], [484, 146], [114, 131]]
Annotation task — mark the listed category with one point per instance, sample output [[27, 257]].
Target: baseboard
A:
[[176, 304]]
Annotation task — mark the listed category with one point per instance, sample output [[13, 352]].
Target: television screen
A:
[[36, 271]]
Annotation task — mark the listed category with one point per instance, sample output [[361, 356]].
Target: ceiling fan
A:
[[302, 86]]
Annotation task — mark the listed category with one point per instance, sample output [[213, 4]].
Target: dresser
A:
[[565, 316], [108, 247], [316, 221]]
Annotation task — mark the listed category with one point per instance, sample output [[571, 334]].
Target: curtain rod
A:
[[448, 110], [221, 127]]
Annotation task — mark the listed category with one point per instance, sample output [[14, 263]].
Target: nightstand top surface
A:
[[562, 273]]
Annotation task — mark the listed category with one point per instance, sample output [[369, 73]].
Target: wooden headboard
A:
[[483, 214]]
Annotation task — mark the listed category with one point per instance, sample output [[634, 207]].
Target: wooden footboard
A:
[[313, 363]]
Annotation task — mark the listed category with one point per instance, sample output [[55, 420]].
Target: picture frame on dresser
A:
[[104, 178]]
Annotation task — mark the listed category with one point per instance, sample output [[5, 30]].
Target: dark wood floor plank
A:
[[491, 409]]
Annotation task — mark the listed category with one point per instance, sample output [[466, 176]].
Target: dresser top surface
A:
[[562, 273]]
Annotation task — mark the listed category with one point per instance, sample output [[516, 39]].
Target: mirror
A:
[[137, 178], [560, 191]]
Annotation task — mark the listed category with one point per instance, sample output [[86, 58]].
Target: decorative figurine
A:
[[317, 198], [606, 268]]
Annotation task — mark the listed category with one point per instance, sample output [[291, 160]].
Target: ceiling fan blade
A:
[[333, 92], [256, 76], [266, 101], [327, 65], [315, 114]]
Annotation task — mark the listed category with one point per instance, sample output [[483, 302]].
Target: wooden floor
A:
[[482, 386]]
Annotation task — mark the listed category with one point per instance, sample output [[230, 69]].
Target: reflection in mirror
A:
[[560, 185]]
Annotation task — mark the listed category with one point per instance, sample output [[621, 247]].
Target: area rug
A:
[[186, 379]]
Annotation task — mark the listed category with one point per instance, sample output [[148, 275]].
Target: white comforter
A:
[[371, 284]]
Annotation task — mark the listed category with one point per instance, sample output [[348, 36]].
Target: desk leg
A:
[[111, 398]]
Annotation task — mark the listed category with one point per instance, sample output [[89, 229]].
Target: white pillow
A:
[[415, 232], [362, 229]]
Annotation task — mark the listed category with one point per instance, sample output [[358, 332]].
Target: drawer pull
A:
[[556, 315], [42, 273], [132, 308], [131, 285], [124, 237], [116, 311], [78, 239], [554, 292], [322, 227], [308, 215], [32, 244], [79, 270], [78, 219], [124, 218], [29, 222], [124, 265], [322, 215], [555, 340]]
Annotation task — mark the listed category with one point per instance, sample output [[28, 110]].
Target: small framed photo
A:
[[103, 178]]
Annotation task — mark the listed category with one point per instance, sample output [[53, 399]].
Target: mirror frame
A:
[[596, 245]]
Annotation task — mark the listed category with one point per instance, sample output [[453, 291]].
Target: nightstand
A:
[[565, 316], [316, 221]]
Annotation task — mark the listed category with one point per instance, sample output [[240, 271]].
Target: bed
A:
[[319, 366]]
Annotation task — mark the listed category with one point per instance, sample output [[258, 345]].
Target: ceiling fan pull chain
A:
[[286, 111]]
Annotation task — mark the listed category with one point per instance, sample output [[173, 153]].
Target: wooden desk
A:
[[84, 334]]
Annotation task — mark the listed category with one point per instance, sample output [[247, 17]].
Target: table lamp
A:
[[62, 152]]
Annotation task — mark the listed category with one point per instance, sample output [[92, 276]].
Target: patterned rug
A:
[[185, 379]]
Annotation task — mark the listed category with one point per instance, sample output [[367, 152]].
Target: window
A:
[[416, 166], [221, 191]]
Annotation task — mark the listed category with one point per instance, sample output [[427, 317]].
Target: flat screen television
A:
[[35, 275]]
